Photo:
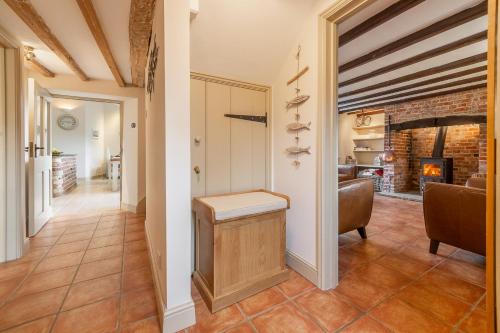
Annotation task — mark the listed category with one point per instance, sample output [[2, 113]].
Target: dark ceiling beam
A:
[[415, 98], [423, 73], [139, 29], [425, 82], [27, 13], [378, 19], [412, 92], [458, 19], [440, 121], [418, 91], [90, 15], [483, 35]]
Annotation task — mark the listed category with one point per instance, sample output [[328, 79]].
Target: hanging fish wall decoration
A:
[[297, 101], [298, 126], [299, 150]]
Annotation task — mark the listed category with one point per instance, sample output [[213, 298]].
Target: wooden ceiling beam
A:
[[434, 29], [27, 13], [425, 82], [423, 73], [89, 13], [385, 15], [415, 98], [420, 57], [35, 65], [140, 25], [454, 120], [413, 92]]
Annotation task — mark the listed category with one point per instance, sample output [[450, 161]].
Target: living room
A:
[[412, 165]]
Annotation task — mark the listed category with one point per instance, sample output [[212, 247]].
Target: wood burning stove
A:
[[436, 168]]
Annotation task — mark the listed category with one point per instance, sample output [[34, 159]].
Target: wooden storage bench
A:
[[240, 245]]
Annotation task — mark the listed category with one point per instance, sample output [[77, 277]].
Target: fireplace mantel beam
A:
[[440, 121]]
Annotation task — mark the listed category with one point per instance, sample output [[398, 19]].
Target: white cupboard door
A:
[[248, 141], [198, 170], [40, 161], [218, 136]]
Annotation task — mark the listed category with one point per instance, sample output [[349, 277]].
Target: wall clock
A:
[[67, 122]]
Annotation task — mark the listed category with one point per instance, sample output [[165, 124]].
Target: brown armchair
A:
[[355, 205], [455, 215], [346, 172]]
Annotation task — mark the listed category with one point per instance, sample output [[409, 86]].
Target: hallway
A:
[[87, 274], [90, 196], [388, 283]]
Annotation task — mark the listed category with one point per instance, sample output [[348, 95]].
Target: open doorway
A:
[[409, 97], [73, 156], [85, 148]]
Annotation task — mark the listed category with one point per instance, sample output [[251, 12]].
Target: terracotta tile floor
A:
[[389, 283], [81, 274]]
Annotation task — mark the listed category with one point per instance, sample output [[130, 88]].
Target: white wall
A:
[[299, 183], [111, 133], [168, 214], [91, 152], [71, 142]]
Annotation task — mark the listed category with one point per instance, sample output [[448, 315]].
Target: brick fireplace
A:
[[464, 144]]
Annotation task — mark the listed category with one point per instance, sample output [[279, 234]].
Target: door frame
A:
[[327, 140], [15, 226], [122, 123], [328, 154], [252, 86]]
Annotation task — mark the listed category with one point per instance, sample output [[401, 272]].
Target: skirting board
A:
[[302, 267], [175, 319], [160, 302], [139, 208], [179, 318]]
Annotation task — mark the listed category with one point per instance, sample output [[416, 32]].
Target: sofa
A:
[[355, 205], [456, 215], [346, 172]]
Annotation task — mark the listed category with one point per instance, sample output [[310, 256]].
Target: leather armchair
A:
[[346, 172], [355, 205], [455, 215]]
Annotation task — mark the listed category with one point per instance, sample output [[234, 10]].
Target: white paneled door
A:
[[40, 160], [227, 154]]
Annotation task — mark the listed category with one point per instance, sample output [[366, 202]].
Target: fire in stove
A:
[[431, 170]]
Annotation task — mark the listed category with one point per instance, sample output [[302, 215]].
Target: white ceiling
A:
[[245, 39], [414, 19], [67, 23]]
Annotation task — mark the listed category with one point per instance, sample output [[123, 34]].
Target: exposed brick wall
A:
[[462, 144], [466, 144], [397, 177], [482, 148]]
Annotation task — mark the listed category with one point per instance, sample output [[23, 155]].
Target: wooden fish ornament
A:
[[299, 150], [298, 126], [297, 101]]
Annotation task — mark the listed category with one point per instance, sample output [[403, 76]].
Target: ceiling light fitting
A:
[[28, 53]]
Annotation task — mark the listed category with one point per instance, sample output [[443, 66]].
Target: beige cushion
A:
[[238, 205]]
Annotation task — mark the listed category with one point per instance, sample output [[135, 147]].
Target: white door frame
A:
[[122, 124], [327, 182], [15, 226]]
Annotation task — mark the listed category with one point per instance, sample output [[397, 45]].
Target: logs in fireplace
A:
[[436, 168]]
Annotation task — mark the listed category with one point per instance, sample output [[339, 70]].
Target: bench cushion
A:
[[238, 205]]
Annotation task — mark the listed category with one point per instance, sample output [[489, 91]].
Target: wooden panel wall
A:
[[248, 141], [232, 153], [198, 132], [218, 136]]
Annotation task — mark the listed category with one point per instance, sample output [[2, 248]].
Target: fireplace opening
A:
[[437, 168], [431, 170]]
